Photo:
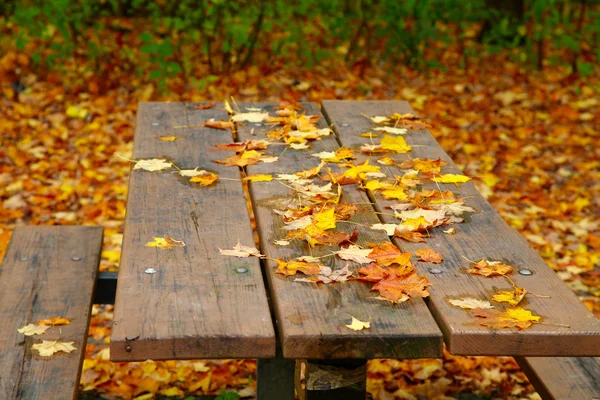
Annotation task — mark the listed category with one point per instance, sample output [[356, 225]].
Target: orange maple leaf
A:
[[386, 254], [518, 318], [398, 289], [490, 268], [55, 321], [429, 255], [292, 267], [238, 161], [223, 125], [371, 273]]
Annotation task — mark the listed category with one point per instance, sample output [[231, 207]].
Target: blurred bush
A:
[[162, 39]]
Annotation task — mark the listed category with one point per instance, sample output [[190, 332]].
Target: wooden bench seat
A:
[[565, 378], [46, 272]]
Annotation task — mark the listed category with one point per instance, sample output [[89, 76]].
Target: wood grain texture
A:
[[483, 235], [572, 378], [39, 280], [311, 317], [196, 304]]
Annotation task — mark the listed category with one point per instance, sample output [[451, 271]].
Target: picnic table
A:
[[185, 291]]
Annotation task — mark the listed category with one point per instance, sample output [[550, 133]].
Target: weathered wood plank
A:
[[573, 378], [197, 304], [310, 317], [487, 236], [47, 272]]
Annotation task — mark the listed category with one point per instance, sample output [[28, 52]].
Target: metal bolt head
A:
[[241, 270], [258, 125], [128, 348], [435, 271], [23, 258], [525, 272], [150, 271], [155, 124], [345, 125], [76, 258]]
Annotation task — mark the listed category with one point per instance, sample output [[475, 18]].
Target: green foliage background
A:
[[205, 38]]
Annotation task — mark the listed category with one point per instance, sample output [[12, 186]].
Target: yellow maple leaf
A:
[[292, 267], [251, 154], [31, 329], [55, 321], [259, 178], [397, 193], [396, 144], [165, 243], [374, 185], [205, 179], [512, 297], [360, 170], [358, 325], [168, 138], [451, 178], [415, 224], [239, 250], [324, 219], [518, 318], [48, 347]]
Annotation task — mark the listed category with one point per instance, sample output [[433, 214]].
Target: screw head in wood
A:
[[257, 124], [155, 124], [435, 271], [76, 258], [128, 348], [23, 258], [525, 272], [241, 270], [345, 125], [150, 271]]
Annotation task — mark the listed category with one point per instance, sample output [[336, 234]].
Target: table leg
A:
[[332, 379], [275, 378]]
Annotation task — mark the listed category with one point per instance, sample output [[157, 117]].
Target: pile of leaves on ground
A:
[[528, 140]]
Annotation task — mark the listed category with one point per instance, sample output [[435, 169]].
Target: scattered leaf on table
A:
[[358, 325], [395, 143], [192, 172], [168, 138], [204, 106], [429, 255], [371, 273], [292, 267], [325, 219], [205, 178], [378, 119], [451, 178], [355, 253], [31, 329], [470, 303], [512, 297], [398, 289], [55, 321], [300, 146], [48, 347], [450, 231], [518, 318], [154, 164], [250, 117], [282, 242], [165, 243], [389, 129], [311, 172], [259, 178], [238, 160], [490, 268], [222, 125], [388, 228], [386, 254], [241, 251]]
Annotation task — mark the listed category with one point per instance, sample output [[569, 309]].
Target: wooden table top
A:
[[192, 301]]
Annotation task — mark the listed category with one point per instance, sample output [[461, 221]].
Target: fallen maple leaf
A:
[[358, 325], [165, 243], [154, 164], [259, 178], [168, 138], [490, 268], [355, 253], [389, 129], [451, 178], [450, 231], [239, 160], [415, 237], [470, 303], [31, 329], [204, 106], [241, 251], [311, 172], [396, 144], [250, 117], [292, 267], [512, 297], [222, 125], [387, 253], [55, 321], [429, 255], [399, 289], [48, 347], [518, 318], [205, 178], [371, 273], [388, 228]]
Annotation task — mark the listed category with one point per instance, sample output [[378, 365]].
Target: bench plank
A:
[[573, 378], [311, 317], [487, 236], [196, 305], [47, 272]]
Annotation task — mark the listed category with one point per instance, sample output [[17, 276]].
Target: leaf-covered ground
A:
[[529, 139]]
